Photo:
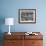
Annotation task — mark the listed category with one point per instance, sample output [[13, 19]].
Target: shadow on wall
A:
[[2, 21]]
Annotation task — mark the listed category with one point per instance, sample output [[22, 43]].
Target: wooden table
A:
[[20, 39]]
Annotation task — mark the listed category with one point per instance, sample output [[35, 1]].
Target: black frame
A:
[[28, 12]]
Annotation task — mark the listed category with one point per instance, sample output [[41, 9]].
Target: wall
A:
[[9, 8]]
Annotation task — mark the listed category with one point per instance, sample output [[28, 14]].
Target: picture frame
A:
[[27, 16]]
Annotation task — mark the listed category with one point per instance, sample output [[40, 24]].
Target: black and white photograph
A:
[[27, 15]]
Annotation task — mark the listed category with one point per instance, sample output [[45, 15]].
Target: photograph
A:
[[27, 15]]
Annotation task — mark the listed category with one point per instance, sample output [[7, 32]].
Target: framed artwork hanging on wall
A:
[[27, 15]]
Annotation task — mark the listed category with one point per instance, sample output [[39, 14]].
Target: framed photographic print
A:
[[27, 15]]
